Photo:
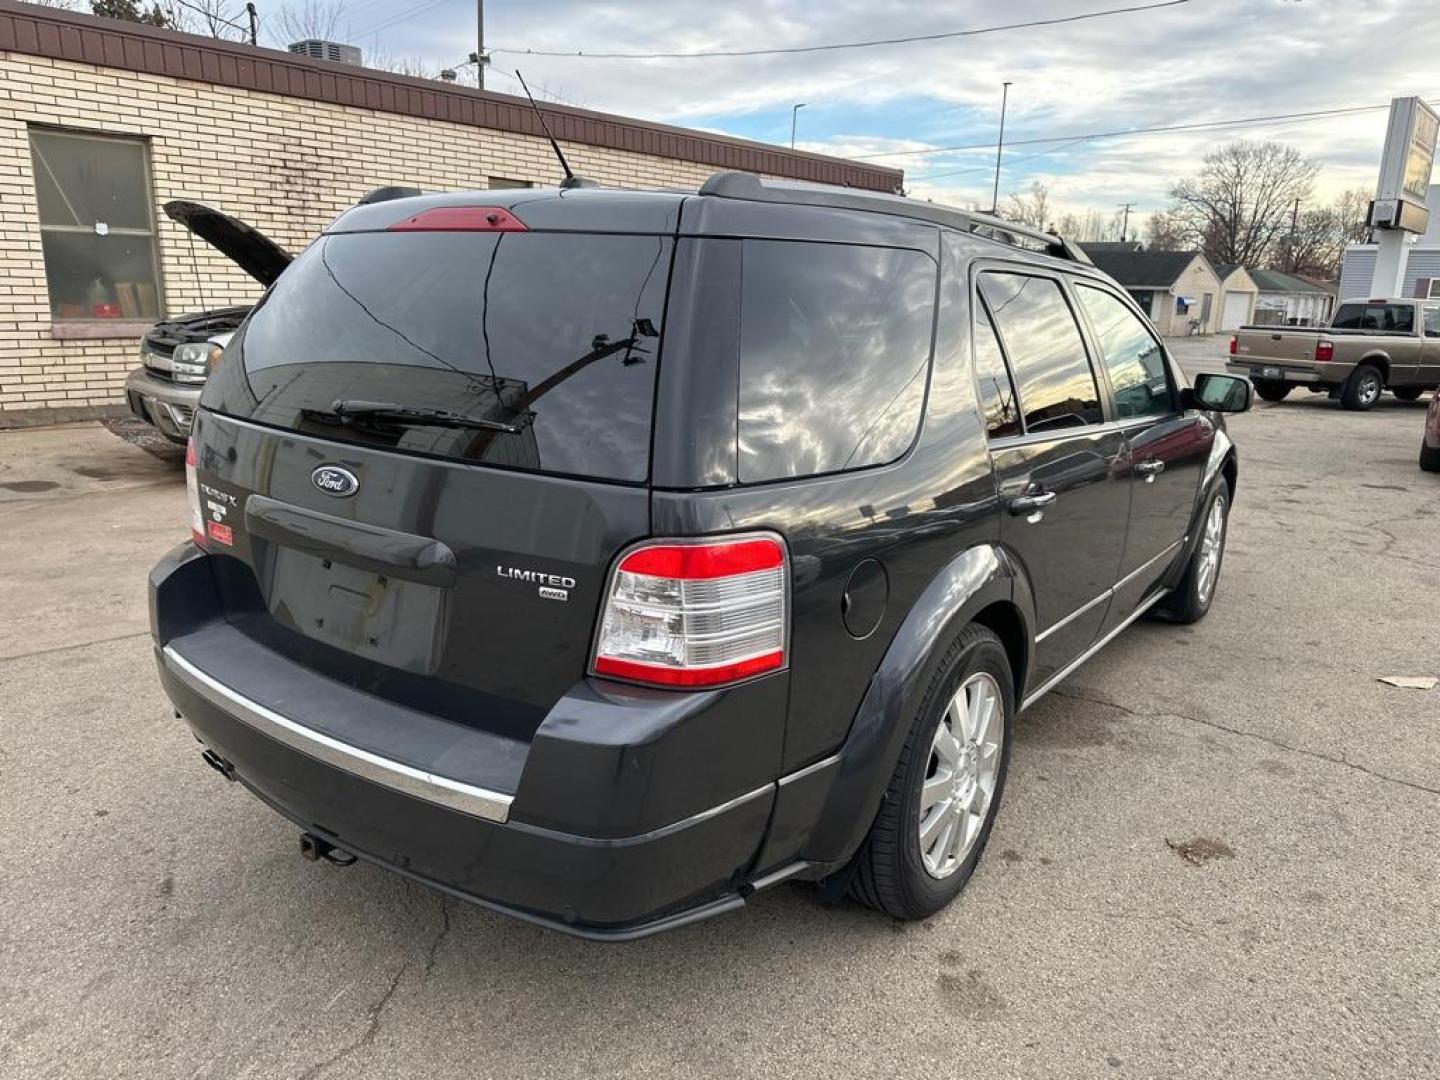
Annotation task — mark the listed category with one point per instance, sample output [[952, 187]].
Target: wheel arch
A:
[[982, 584], [1380, 360]]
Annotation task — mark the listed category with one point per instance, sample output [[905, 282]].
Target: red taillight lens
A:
[[1233, 344], [192, 495], [1324, 351], [691, 615], [461, 219]]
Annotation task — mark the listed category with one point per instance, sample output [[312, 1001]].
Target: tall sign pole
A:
[[1399, 208]]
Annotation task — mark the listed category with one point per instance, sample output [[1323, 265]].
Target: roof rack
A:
[[742, 185]]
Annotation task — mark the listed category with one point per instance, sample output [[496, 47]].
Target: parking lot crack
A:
[[367, 1036], [1240, 732], [430, 957]]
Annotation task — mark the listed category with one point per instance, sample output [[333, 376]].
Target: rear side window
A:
[[1432, 320], [554, 336], [1395, 317], [1132, 356], [834, 353], [1057, 386], [992, 379]]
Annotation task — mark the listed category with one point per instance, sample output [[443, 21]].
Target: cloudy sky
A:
[[1189, 63]]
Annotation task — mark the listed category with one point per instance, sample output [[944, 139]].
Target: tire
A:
[[892, 873], [1271, 390], [1429, 458], [1362, 389], [1190, 600], [1409, 393]]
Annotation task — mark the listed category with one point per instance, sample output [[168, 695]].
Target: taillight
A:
[[192, 493], [461, 219], [1324, 351], [688, 614], [1233, 344]]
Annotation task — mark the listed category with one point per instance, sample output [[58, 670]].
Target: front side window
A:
[[96, 228], [834, 353], [1131, 354], [1057, 386]]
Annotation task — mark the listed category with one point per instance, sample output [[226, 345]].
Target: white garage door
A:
[[1237, 307]]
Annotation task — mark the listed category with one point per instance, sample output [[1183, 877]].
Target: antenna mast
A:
[[571, 180]]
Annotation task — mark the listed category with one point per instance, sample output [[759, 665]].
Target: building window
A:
[[96, 226], [506, 182]]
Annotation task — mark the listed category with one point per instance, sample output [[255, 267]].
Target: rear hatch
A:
[[426, 445]]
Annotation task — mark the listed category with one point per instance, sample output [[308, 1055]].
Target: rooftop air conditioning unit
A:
[[327, 50]]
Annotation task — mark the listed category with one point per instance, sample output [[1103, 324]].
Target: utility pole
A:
[[1294, 236], [480, 42], [1125, 222], [1000, 148], [793, 112]]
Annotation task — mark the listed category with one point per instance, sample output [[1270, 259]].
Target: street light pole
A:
[[1000, 147], [793, 113]]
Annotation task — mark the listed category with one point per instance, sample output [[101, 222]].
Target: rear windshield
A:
[[1399, 317], [539, 348]]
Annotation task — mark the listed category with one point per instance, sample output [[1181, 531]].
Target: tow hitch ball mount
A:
[[316, 848]]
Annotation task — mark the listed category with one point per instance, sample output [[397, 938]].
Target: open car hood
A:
[[251, 250]]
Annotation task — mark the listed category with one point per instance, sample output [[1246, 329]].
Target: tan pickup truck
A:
[[1369, 346]]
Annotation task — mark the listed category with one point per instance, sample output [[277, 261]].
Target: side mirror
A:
[[1219, 393]]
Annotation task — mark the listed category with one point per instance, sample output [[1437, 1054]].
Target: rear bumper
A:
[[480, 833], [166, 405], [1290, 371]]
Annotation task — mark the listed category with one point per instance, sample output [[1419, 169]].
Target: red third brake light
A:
[[1233, 344], [1324, 351], [692, 615], [461, 219]]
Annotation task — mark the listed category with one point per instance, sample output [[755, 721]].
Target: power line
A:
[[1013, 161], [574, 54], [1241, 122], [391, 20]]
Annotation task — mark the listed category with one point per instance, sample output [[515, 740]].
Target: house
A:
[[103, 121], [1290, 300], [1238, 295], [1179, 290]]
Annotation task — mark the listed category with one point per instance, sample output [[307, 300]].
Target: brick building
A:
[[102, 122]]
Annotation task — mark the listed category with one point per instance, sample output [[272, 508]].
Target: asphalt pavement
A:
[[1216, 855]]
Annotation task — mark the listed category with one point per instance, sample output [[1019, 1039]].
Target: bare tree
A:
[[1166, 230], [1316, 245], [1087, 227], [224, 19], [320, 19], [1239, 206], [1032, 209]]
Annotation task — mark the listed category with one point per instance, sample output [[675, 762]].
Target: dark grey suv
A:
[[605, 557]]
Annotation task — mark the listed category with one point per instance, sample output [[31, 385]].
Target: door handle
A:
[[1150, 469], [1032, 503]]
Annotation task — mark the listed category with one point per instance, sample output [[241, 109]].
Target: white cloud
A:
[[1203, 61]]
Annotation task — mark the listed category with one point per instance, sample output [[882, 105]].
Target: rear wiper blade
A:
[[385, 410]]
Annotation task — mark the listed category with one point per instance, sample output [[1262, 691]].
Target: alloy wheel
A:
[[1212, 543], [959, 789]]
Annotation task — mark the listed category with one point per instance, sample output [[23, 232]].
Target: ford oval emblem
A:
[[333, 480]]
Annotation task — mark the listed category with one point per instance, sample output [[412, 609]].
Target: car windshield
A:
[[547, 341]]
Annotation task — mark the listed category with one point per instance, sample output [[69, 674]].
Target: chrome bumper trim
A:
[[467, 799]]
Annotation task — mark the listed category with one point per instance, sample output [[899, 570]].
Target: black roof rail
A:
[[741, 185]]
